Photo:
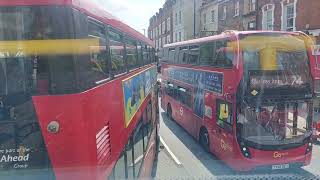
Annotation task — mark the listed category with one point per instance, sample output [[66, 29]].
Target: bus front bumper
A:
[[272, 160]]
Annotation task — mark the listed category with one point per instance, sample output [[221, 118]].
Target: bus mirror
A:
[[224, 111]]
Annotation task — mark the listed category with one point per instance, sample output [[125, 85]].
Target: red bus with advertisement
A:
[[77, 93], [246, 96]]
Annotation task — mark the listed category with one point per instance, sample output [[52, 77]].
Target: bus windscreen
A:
[[275, 64], [275, 125]]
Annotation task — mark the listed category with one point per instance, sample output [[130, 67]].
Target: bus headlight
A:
[[309, 148], [245, 151]]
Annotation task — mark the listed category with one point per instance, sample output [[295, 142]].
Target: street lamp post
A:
[[194, 18], [144, 32]]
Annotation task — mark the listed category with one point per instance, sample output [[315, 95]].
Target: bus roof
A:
[[87, 7], [224, 35]]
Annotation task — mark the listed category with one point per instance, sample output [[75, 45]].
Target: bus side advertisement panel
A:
[[135, 90], [201, 80]]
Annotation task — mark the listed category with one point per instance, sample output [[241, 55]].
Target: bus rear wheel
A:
[[204, 139], [169, 112]]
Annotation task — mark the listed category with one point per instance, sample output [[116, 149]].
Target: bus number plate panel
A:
[[280, 166]]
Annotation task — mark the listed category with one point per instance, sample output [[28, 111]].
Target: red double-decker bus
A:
[[246, 96], [77, 93]]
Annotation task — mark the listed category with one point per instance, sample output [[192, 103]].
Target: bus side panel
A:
[[104, 114], [69, 147], [188, 120]]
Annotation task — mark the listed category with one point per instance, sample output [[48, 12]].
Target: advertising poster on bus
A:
[[201, 80], [135, 89]]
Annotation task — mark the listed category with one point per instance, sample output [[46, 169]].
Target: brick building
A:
[[160, 26], [290, 15], [230, 15], [216, 16], [249, 15]]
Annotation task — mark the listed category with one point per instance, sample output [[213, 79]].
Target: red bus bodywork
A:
[[91, 116], [73, 151], [223, 144]]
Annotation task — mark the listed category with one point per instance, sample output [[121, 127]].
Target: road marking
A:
[[176, 160], [136, 161]]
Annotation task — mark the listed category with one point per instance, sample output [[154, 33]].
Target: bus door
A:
[[210, 120], [172, 99], [224, 128]]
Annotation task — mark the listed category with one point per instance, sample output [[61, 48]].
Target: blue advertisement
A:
[[135, 90], [198, 106], [211, 81], [201, 80]]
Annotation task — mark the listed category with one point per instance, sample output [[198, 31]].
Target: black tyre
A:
[[204, 140], [169, 112]]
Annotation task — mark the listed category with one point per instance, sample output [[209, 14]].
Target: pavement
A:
[[183, 158]]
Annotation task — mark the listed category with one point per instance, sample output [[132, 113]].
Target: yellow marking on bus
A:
[[268, 59], [282, 43], [50, 47]]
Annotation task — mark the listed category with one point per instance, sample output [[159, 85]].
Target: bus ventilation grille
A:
[[103, 145]]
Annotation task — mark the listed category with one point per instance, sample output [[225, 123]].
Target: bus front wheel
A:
[[204, 139]]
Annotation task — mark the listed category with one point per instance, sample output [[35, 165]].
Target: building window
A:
[[164, 41], [176, 21], [224, 13], [176, 37], [163, 30], [179, 17], [204, 18], [252, 5], [236, 8], [179, 36], [289, 17], [268, 17], [156, 44], [168, 24], [212, 16], [252, 25]]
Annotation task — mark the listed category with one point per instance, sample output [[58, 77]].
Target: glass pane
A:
[[290, 11], [119, 169], [138, 147], [194, 55], [98, 54], [29, 72], [290, 22], [130, 159], [146, 55], [118, 65], [275, 124], [132, 55], [34, 23]]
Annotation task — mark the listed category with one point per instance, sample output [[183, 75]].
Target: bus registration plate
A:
[[280, 166]]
